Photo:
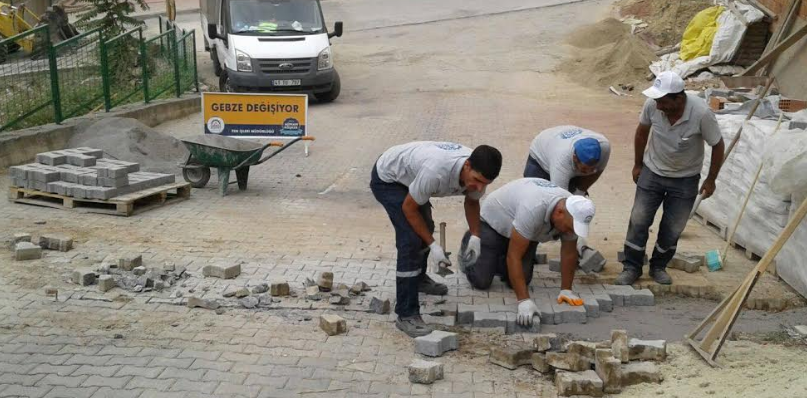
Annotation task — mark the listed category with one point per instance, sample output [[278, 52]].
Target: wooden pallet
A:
[[124, 205], [721, 231]]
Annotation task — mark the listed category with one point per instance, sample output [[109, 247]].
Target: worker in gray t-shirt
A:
[[573, 158], [403, 180], [666, 171], [515, 219]]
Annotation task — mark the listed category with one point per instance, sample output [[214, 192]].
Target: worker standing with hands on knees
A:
[[515, 219], [573, 158], [666, 171], [403, 180]]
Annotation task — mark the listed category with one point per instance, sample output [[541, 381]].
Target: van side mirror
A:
[[337, 30], [212, 31]]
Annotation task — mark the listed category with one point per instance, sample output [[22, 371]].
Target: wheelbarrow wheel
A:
[[197, 176]]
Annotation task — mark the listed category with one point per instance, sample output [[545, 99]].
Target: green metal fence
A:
[[89, 72]]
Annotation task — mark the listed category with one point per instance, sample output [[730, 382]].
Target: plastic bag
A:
[[698, 36]]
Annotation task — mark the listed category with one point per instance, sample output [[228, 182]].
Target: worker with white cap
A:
[[667, 166], [571, 157], [515, 219]]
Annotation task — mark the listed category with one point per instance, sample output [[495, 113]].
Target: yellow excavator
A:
[[18, 19]]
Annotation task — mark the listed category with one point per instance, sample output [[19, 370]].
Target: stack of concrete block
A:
[[83, 173]]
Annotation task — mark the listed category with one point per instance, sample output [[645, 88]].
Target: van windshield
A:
[[275, 17]]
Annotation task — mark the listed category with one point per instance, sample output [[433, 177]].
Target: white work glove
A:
[[473, 249], [526, 310], [436, 257]]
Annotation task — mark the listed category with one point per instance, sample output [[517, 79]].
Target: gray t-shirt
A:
[[677, 151], [553, 149], [429, 169], [525, 204]]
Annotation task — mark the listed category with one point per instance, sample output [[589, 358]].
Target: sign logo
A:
[[570, 133], [215, 125], [589, 218], [449, 146], [291, 126], [286, 65]]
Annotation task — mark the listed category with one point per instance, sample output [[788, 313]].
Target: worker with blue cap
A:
[[571, 157]]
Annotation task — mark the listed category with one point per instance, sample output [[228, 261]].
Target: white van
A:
[[271, 46]]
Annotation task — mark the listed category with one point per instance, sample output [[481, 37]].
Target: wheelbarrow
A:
[[226, 154]]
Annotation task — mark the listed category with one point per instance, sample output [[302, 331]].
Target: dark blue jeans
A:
[[677, 196], [493, 259], [534, 170], [412, 251]]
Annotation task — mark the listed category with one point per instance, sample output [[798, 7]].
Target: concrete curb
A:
[[21, 146]]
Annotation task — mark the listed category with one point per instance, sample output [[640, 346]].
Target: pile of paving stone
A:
[[25, 249], [130, 274], [582, 368], [84, 173]]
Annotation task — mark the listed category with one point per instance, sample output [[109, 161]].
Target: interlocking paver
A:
[[234, 378], [171, 362], [211, 365], [23, 380], [105, 381], [106, 371], [174, 373], [149, 383], [25, 391], [128, 370], [67, 392], [107, 392], [64, 370], [195, 386], [227, 389], [67, 381]]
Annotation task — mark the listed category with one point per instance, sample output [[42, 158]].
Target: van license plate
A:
[[283, 83]]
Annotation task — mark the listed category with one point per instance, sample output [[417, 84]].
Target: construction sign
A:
[[255, 115]]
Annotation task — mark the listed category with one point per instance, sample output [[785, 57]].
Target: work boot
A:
[[429, 286], [413, 326], [627, 277], [661, 276]]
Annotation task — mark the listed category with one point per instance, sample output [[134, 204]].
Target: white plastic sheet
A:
[[726, 42]]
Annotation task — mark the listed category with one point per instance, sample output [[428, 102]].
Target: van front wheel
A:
[[329, 96], [214, 56], [224, 83]]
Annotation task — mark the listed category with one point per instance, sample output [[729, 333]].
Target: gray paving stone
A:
[[604, 301], [25, 391], [436, 343], [196, 386], [620, 295], [103, 381], [162, 394], [183, 363], [465, 312], [23, 380], [643, 297], [227, 389], [570, 314], [59, 370], [490, 320], [591, 304], [513, 327], [66, 381], [139, 371], [68, 392], [176, 373], [547, 313], [107, 392], [149, 383]]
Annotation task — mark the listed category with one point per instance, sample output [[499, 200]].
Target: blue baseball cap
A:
[[587, 150]]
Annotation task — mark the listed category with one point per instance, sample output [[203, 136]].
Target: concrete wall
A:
[[21, 146], [791, 67]]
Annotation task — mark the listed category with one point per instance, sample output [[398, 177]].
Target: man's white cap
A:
[[582, 211], [666, 83]]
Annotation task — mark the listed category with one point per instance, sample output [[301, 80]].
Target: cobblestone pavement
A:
[[487, 79]]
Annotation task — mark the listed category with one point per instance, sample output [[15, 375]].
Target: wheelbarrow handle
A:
[[283, 147]]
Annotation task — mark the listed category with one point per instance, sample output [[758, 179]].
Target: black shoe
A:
[[627, 277], [413, 326], [428, 286], [661, 276]]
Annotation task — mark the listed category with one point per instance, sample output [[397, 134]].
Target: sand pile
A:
[[666, 19], [606, 54], [128, 139]]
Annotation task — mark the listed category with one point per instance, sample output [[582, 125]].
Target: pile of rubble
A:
[[265, 294], [588, 368], [84, 173], [130, 274]]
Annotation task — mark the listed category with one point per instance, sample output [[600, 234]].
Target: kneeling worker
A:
[[515, 219], [571, 157], [403, 180]]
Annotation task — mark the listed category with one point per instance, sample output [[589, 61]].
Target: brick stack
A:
[[83, 173]]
